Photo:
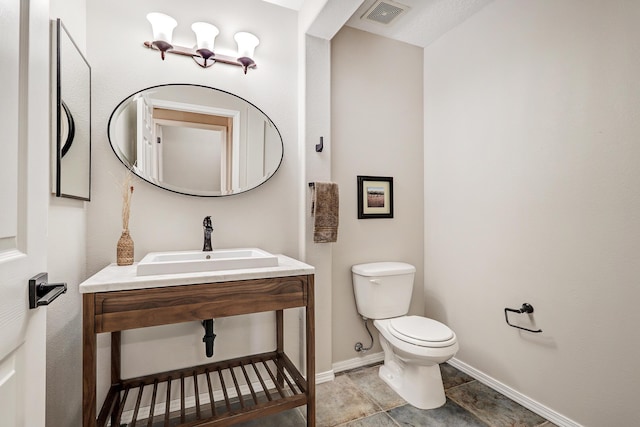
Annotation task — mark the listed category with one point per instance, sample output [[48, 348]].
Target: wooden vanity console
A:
[[238, 389]]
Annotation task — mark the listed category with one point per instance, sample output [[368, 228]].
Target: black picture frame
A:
[[375, 197]]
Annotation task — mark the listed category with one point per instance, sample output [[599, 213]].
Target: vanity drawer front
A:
[[122, 310]]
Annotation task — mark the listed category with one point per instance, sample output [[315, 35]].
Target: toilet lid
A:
[[421, 331]]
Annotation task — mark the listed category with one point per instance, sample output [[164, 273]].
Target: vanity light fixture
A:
[[203, 53], [247, 43], [162, 26], [205, 38]]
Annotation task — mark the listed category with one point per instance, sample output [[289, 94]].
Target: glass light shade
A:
[[205, 35], [162, 26], [247, 43]]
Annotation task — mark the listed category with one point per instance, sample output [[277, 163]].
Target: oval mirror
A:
[[195, 140]]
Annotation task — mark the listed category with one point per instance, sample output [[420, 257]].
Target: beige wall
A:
[[266, 217], [376, 129], [66, 263], [531, 195], [529, 172], [318, 22], [318, 168]]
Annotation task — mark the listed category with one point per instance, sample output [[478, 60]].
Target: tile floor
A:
[[359, 398]]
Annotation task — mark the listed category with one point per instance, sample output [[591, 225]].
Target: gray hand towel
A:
[[324, 209]]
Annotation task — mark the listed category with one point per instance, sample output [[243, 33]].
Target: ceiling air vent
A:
[[384, 12]]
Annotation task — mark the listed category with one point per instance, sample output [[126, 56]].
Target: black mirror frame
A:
[[113, 145]]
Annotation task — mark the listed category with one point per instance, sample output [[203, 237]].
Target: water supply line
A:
[[359, 347]]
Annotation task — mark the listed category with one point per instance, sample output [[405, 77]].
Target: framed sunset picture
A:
[[375, 197]]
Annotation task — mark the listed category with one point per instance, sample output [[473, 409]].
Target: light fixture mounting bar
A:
[[186, 51]]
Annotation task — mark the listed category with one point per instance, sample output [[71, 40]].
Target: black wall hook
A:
[[320, 147], [526, 308]]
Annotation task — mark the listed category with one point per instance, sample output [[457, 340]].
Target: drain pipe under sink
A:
[[209, 336]]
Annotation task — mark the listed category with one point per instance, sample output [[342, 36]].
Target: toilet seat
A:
[[421, 331]]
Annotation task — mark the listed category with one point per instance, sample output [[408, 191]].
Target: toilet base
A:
[[420, 386]]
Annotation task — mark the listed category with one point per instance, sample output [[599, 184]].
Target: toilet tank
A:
[[383, 289]]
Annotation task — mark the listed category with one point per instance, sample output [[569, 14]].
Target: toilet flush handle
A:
[[374, 281]]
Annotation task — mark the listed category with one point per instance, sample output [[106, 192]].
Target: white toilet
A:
[[413, 346]]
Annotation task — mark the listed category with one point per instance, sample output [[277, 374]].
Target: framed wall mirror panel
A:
[[73, 117]]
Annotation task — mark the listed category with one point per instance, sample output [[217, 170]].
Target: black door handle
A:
[[43, 293]]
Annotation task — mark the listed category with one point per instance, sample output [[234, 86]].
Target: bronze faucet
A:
[[208, 228]]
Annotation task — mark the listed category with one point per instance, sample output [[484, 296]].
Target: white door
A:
[[24, 183]]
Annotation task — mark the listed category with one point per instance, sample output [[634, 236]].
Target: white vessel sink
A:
[[198, 261]]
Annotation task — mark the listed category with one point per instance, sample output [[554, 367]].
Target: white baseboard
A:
[[534, 406], [325, 377], [358, 362]]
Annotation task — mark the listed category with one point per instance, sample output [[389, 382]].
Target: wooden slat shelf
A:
[[215, 394], [256, 385]]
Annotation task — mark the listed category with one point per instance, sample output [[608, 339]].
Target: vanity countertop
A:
[[120, 278]]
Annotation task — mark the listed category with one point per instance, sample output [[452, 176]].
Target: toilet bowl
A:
[[414, 346], [411, 364]]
